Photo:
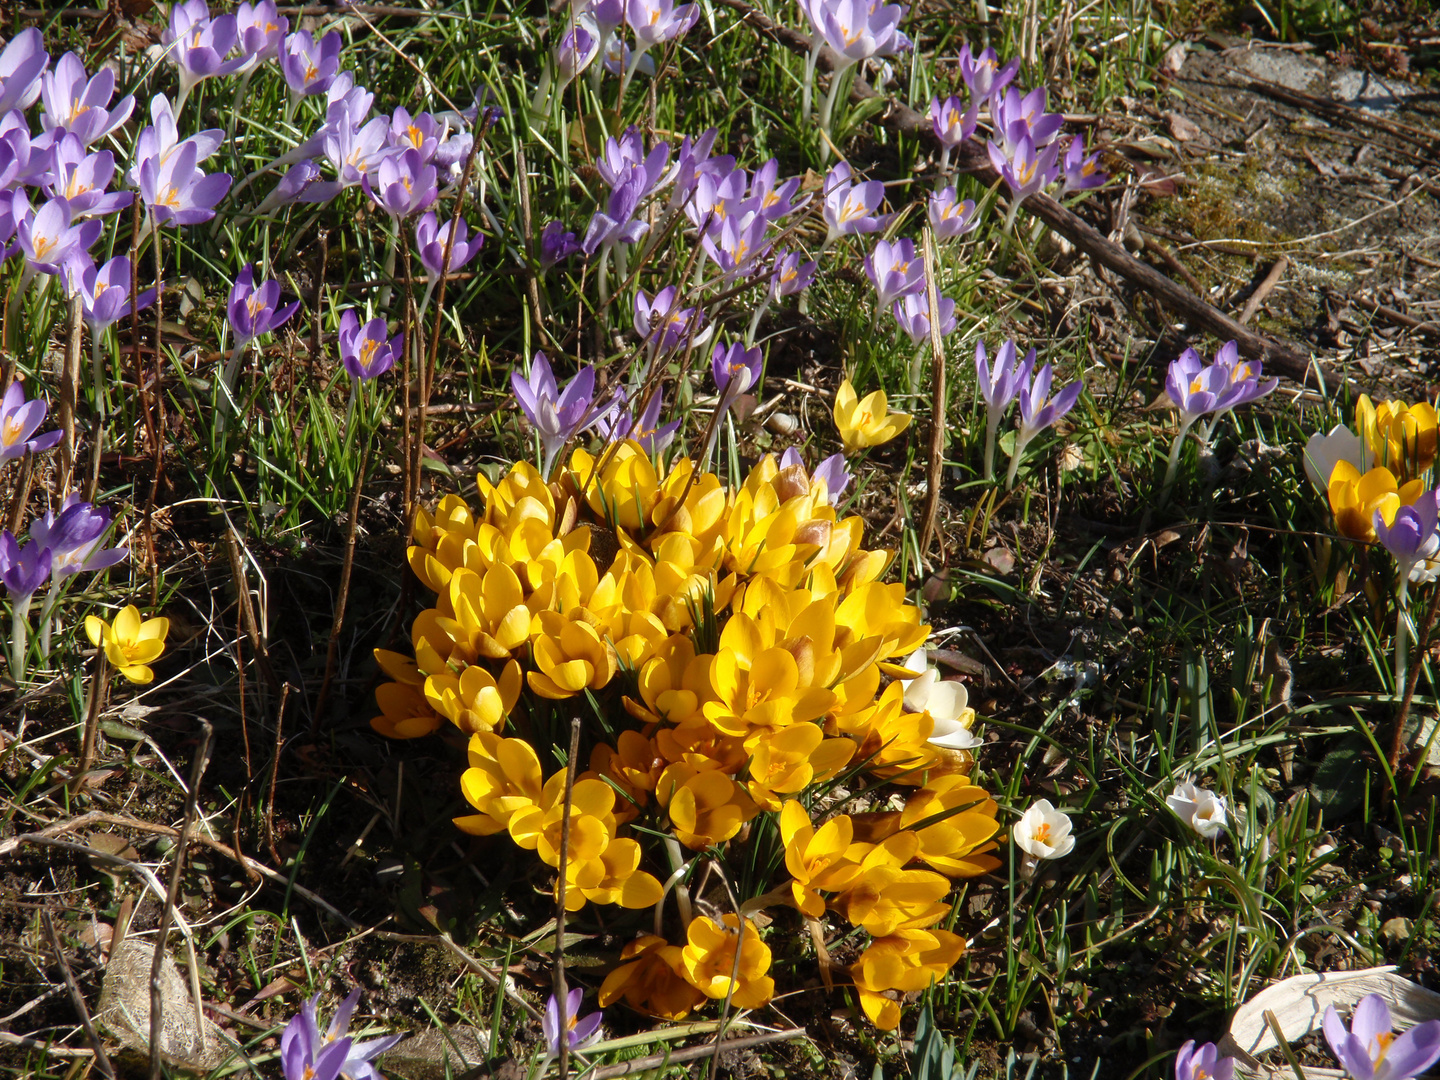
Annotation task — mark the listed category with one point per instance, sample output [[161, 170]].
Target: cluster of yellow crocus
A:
[[1379, 467], [747, 637]]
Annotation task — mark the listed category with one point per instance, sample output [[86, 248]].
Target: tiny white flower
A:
[[1043, 832], [946, 701], [1200, 808]]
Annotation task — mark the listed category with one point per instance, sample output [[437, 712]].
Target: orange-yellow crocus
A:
[[130, 644], [1354, 498], [708, 962]]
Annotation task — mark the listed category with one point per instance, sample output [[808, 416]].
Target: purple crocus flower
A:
[[104, 292], [431, 238], [1204, 1063], [577, 50], [578, 1030], [20, 162], [831, 472], [22, 570], [74, 537], [658, 21], [1038, 410], [617, 224], [983, 74], [49, 238], [1197, 389], [262, 31], [737, 245], [176, 192], [557, 416], [951, 124], [81, 179], [80, 104], [306, 1054], [621, 157], [950, 216], [791, 275], [1409, 535], [252, 311], [556, 245], [662, 323], [691, 161], [735, 370], [160, 141], [18, 420], [771, 197], [404, 184], [309, 66], [199, 44], [895, 270], [1371, 1051], [653, 436], [718, 194], [22, 64], [857, 30], [419, 132], [1027, 172], [301, 183], [355, 149], [1081, 172], [364, 349], [912, 312], [1015, 114], [849, 206]]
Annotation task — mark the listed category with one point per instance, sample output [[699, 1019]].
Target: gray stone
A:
[[424, 1056], [1289, 69], [1367, 91]]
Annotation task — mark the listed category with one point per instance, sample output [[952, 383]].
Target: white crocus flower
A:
[[1043, 831], [1200, 808], [1323, 452], [946, 702]]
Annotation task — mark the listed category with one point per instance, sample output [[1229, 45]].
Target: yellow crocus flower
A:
[[1401, 437], [1354, 498], [130, 644], [906, 961], [708, 961], [868, 421]]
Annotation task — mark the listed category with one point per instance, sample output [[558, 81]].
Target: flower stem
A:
[[992, 425], [827, 109], [1015, 456], [1402, 629], [1172, 466]]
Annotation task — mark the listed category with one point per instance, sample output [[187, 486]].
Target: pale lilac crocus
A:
[[617, 224], [262, 31], [1026, 171], [105, 292], [1038, 410], [51, 237], [654, 22], [663, 324], [418, 132], [255, 310], [895, 270], [1081, 172], [984, 74], [82, 179], [652, 435], [23, 569], [556, 416], [737, 245], [18, 420], [355, 149], [831, 472], [999, 385], [178, 193], [912, 312], [579, 1031], [790, 274], [80, 104], [1408, 533], [75, 537], [1198, 389], [431, 238], [620, 157], [952, 124], [367, 351], [857, 29], [771, 197], [735, 370], [951, 216], [22, 65], [557, 244], [309, 66], [160, 141], [850, 207], [1370, 1050], [1203, 1063], [1015, 113], [307, 1054], [198, 44], [403, 184]]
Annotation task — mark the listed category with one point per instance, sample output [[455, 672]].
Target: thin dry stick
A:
[[411, 481], [22, 490], [319, 302], [937, 405], [527, 233], [275, 774], [70, 393], [157, 1004], [135, 358], [158, 432], [1264, 289], [332, 651], [563, 1021], [92, 720], [78, 999]]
